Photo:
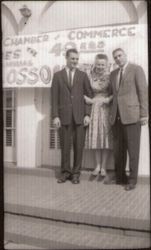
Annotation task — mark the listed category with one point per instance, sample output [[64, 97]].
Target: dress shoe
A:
[[64, 177], [130, 187], [61, 180], [75, 180]]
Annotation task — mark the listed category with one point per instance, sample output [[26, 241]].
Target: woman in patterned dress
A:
[[99, 134]]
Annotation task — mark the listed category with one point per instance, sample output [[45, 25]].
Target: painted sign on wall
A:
[[31, 60]]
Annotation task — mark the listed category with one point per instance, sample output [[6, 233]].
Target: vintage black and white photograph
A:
[[75, 124]]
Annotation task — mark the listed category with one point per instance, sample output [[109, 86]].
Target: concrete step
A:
[[49, 234], [19, 246]]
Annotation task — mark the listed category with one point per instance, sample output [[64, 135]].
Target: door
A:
[[50, 137], [9, 118]]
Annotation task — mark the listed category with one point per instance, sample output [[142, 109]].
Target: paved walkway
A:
[[89, 203], [102, 202]]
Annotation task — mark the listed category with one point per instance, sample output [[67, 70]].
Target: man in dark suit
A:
[[128, 112], [70, 113]]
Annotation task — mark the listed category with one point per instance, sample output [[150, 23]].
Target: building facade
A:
[[29, 137]]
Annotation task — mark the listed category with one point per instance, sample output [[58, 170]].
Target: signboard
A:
[[31, 60]]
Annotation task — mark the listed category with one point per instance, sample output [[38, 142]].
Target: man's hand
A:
[[144, 121], [57, 122], [86, 120]]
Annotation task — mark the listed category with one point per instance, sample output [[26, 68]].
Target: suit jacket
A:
[[69, 102], [132, 97]]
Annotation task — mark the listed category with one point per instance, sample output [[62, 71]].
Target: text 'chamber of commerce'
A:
[[31, 60]]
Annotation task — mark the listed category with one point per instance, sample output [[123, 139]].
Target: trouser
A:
[[77, 133], [126, 139]]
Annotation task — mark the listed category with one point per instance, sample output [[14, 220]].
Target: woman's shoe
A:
[[103, 172], [96, 171]]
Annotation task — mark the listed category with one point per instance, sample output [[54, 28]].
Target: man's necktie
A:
[[70, 78], [121, 75]]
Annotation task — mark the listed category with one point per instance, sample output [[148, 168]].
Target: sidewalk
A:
[[91, 204]]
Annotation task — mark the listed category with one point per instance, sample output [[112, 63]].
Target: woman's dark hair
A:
[[102, 56]]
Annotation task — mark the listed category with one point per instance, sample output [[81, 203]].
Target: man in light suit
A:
[[129, 111], [70, 113]]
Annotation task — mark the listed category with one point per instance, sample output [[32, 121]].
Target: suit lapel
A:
[[65, 79], [126, 72], [115, 80], [125, 75]]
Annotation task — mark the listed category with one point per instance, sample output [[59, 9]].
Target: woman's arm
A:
[[88, 100], [107, 100]]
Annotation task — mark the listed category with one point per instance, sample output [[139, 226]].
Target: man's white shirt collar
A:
[[67, 69], [72, 72], [124, 67]]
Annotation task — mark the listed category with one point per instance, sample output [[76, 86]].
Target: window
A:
[[9, 105], [54, 137]]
